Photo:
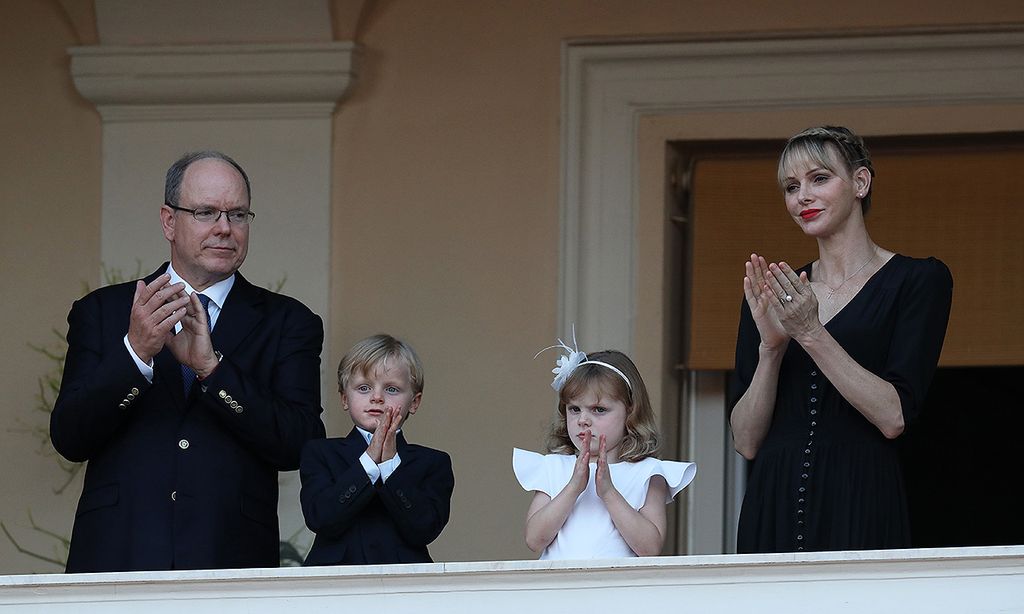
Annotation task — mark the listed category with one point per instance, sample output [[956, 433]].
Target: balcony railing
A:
[[975, 580]]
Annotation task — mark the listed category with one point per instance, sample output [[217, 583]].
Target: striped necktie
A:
[[187, 374]]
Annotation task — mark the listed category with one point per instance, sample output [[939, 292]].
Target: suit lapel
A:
[[166, 368], [353, 446], [405, 451], [242, 312]]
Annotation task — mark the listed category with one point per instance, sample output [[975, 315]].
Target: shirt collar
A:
[[217, 293]]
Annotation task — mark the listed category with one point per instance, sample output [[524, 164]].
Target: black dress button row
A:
[[801, 513]]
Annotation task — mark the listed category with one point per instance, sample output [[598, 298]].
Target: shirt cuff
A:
[[370, 467], [388, 467], [146, 370]]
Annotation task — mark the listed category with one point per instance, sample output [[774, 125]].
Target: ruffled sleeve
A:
[[636, 478], [633, 479], [536, 471], [678, 476]]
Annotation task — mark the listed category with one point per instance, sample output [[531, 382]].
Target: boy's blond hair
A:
[[380, 350]]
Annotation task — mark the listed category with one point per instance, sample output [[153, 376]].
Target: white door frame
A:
[[607, 89]]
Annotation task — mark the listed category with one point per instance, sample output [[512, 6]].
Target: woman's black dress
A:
[[825, 478]]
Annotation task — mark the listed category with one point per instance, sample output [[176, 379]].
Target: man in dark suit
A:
[[185, 430], [371, 497]]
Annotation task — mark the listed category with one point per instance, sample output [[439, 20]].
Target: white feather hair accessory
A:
[[565, 365]]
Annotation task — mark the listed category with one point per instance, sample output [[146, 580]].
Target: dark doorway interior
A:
[[964, 459]]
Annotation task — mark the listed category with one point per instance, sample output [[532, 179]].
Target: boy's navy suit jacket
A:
[[359, 523]]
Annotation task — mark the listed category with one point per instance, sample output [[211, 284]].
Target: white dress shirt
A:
[[373, 470]]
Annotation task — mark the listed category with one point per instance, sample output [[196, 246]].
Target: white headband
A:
[[565, 365]]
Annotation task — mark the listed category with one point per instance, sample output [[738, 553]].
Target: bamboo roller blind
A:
[[965, 208]]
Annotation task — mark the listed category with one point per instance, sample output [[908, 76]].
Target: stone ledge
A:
[[154, 82], [979, 580]]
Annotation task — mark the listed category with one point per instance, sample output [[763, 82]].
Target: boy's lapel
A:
[[405, 451], [353, 446]]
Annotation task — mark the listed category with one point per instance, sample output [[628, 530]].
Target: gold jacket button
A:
[[228, 399], [123, 406], [174, 495], [222, 394], [135, 391], [183, 444], [130, 397], [239, 409]]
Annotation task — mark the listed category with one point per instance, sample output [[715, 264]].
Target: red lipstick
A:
[[810, 214]]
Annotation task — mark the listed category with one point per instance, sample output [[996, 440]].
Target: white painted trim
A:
[[706, 432], [214, 81], [979, 580], [735, 489], [607, 88]]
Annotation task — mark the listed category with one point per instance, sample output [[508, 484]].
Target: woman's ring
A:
[[789, 298]]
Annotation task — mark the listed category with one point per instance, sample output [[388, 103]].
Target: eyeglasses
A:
[[209, 215]]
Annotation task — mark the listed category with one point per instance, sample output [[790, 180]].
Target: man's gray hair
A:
[[176, 174]]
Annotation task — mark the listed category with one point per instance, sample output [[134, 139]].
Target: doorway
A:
[[962, 460], [957, 458]]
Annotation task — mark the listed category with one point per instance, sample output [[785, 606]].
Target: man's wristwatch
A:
[[220, 357]]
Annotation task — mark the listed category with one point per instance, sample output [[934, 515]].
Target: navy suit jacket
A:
[[357, 522], [176, 483]]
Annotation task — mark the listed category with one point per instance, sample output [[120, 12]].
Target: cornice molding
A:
[[214, 81]]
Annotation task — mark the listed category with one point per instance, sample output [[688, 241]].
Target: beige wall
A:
[[445, 216], [49, 240]]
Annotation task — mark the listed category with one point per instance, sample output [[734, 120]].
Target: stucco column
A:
[[268, 106]]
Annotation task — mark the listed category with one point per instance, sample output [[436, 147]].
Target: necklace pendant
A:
[[832, 291]]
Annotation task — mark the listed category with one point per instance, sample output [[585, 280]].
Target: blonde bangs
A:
[[808, 152], [380, 351]]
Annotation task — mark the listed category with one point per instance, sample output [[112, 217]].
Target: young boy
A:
[[371, 497]]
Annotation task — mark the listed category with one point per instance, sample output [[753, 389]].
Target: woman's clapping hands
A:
[[781, 302]]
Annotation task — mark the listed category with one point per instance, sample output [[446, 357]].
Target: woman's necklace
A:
[[832, 291]]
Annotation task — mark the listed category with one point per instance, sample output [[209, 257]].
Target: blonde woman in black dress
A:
[[832, 361]]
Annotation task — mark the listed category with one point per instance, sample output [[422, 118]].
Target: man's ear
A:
[[415, 403], [167, 222], [344, 401]]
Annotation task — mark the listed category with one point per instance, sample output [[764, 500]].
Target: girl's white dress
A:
[[588, 532]]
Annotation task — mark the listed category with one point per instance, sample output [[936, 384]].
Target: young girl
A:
[[601, 493]]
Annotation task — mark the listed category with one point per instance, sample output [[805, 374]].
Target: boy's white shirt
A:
[[373, 470]]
